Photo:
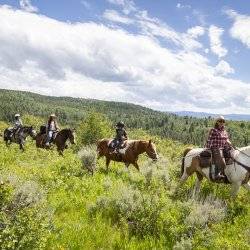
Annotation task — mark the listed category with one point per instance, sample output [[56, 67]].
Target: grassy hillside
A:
[[72, 111], [52, 202]]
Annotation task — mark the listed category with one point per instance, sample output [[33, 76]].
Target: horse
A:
[[129, 154], [20, 137], [237, 172], [60, 139]]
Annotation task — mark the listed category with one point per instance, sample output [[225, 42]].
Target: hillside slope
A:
[[72, 110]]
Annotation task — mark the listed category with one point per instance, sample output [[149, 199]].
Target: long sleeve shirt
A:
[[52, 126], [18, 123], [121, 134], [217, 138]]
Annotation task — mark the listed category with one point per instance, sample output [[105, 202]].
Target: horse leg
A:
[[127, 164], [247, 186], [136, 166], [235, 189], [60, 151], [107, 163], [197, 186]]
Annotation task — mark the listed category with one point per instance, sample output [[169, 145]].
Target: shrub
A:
[[96, 126], [88, 157], [23, 219]]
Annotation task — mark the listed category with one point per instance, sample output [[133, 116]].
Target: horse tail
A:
[[98, 147], [5, 135], [183, 159]]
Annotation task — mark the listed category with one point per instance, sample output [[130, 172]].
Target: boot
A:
[[219, 161], [220, 176]]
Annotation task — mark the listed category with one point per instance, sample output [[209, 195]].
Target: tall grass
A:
[[51, 202]]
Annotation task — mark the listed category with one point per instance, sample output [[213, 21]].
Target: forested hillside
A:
[[72, 110]]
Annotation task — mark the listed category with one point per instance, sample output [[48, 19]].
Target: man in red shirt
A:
[[218, 141]]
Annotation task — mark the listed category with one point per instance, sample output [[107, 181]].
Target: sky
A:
[[165, 55]]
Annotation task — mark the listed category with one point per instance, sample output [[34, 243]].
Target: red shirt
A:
[[217, 138]]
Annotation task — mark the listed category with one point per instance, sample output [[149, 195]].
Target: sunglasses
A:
[[222, 121]]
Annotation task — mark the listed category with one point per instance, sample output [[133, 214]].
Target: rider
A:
[[51, 128], [218, 141], [17, 124], [121, 135]]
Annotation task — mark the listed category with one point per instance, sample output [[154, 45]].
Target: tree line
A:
[[75, 111]]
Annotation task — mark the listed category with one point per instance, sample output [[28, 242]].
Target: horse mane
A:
[[244, 149], [67, 130]]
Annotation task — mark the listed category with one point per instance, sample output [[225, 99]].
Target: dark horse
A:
[[129, 154], [60, 139], [20, 137]]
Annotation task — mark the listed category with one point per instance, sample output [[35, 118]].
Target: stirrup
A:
[[220, 177]]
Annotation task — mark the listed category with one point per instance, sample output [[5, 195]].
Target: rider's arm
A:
[[125, 134], [210, 139]]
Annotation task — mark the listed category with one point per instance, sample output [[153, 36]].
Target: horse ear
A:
[[150, 141]]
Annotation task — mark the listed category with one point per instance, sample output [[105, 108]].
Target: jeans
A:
[[49, 136]]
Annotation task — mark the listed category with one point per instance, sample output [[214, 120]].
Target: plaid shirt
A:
[[217, 138]]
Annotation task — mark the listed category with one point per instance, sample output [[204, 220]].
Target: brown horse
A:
[[60, 140], [129, 154]]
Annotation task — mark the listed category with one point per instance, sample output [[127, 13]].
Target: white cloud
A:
[[127, 5], [86, 4], [114, 16], [27, 6], [91, 60], [216, 47], [196, 31], [223, 68], [183, 6], [240, 29]]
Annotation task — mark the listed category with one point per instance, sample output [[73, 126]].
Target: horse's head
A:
[[72, 136], [151, 150], [33, 132]]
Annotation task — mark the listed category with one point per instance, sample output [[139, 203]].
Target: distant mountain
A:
[[233, 117]]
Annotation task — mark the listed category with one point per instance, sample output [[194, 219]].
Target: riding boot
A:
[[220, 163]]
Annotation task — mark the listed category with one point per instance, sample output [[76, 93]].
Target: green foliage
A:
[[31, 120], [50, 202], [23, 221], [88, 157], [95, 126], [71, 111]]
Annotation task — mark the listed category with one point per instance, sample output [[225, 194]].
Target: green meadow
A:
[[54, 202]]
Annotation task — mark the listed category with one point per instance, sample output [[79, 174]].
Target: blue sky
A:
[[167, 55]]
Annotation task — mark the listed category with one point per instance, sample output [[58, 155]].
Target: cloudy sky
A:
[[166, 55]]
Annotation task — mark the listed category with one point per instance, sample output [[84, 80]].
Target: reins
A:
[[241, 151], [239, 163]]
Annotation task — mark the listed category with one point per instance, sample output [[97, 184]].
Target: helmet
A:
[[17, 115], [120, 124], [53, 115], [220, 118]]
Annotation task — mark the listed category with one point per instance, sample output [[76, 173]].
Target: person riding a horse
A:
[[51, 128], [121, 136], [219, 143], [17, 124]]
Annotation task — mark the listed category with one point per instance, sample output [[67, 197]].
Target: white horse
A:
[[238, 173]]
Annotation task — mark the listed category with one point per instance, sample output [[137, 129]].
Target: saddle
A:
[[207, 159], [42, 129], [115, 147]]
